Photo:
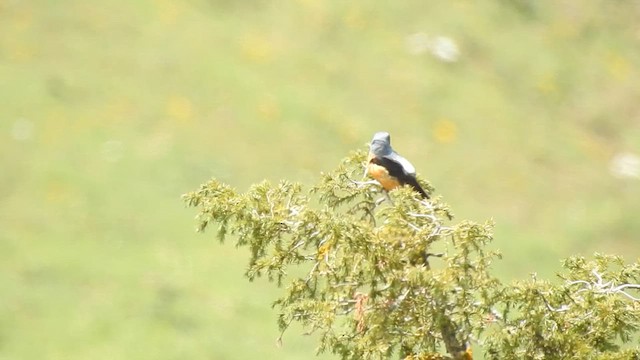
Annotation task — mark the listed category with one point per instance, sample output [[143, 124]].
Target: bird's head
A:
[[381, 144]]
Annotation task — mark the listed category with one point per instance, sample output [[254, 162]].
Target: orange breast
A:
[[381, 174]]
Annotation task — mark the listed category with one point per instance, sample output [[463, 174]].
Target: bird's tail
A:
[[416, 186]]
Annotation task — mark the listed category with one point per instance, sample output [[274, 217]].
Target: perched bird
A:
[[388, 167]]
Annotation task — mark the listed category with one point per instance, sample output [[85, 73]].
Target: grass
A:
[[110, 111]]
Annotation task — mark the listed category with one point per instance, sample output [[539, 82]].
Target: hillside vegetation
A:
[[525, 112]]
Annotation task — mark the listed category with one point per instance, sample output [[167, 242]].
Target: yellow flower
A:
[[445, 131], [57, 192], [547, 84], [168, 11], [21, 52], [323, 249], [269, 109], [618, 66], [355, 19], [180, 108], [257, 48]]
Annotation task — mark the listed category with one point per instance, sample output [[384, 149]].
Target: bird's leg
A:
[[386, 193], [382, 199]]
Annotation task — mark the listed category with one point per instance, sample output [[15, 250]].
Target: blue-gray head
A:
[[381, 147], [381, 144]]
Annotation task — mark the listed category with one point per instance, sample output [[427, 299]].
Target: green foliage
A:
[[588, 316], [112, 108], [373, 287], [369, 287]]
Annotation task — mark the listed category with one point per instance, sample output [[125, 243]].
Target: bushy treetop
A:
[[380, 277]]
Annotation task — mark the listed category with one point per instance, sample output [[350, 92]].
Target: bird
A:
[[388, 167]]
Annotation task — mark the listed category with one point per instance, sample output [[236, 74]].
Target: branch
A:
[[599, 286]]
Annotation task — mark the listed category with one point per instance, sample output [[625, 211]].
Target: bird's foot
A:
[[382, 199]]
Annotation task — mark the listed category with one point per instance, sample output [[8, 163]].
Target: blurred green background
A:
[[527, 112]]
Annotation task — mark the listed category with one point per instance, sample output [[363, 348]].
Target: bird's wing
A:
[[392, 167], [406, 165], [413, 182], [398, 170]]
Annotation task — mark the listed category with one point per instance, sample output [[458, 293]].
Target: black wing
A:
[[396, 170]]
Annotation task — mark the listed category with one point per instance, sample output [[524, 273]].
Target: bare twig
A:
[[597, 286]]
